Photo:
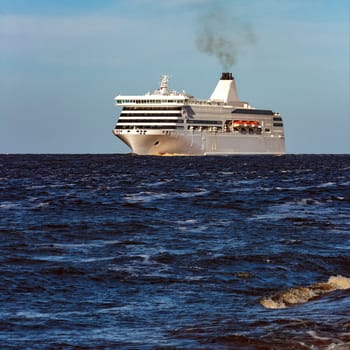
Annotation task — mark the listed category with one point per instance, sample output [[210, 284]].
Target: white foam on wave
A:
[[308, 201], [156, 184], [334, 343], [53, 258], [31, 314], [302, 208], [144, 197], [36, 187], [80, 246], [9, 205], [71, 258], [326, 185], [194, 229], [24, 205], [89, 260], [125, 269], [72, 246], [196, 278], [191, 225], [147, 196], [188, 221], [299, 295], [40, 205], [146, 258], [241, 186]]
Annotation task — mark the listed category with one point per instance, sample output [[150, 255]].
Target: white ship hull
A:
[[171, 123], [204, 144]]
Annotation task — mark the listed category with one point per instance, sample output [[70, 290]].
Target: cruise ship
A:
[[168, 122]]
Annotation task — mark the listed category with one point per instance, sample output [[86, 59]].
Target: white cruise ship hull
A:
[[177, 143]]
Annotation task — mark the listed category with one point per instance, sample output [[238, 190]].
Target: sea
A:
[[120, 251]]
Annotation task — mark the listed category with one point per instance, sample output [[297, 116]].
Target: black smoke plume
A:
[[220, 35]]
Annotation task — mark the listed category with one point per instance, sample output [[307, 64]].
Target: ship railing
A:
[[205, 102]]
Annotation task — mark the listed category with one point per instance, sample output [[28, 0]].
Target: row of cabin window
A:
[[252, 111], [151, 121], [197, 122], [128, 114], [148, 127], [206, 122], [163, 108], [149, 101]]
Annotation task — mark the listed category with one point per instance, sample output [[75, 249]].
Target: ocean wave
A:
[[97, 248], [304, 209], [147, 197], [299, 295], [9, 205]]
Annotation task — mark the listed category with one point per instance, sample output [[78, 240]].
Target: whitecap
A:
[[68, 246], [334, 343], [40, 205], [156, 184], [326, 184], [307, 201], [188, 221], [88, 260], [299, 295], [146, 258], [195, 278], [32, 314], [9, 205], [53, 258], [195, 229], [146, 197], [36, 187], [302, 208]]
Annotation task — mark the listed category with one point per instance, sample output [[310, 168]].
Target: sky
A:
[[63, 62]]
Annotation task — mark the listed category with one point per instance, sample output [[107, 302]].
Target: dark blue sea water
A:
[[129, 252]]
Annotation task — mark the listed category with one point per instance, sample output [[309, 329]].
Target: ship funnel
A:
[[226, 76], [225, 90]]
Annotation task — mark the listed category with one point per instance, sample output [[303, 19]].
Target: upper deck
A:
[[165, 97], [147, 100]]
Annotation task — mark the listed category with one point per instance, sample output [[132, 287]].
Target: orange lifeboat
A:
[[254, 124], [239, 123]]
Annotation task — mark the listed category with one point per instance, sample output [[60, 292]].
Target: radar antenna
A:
[[164, 84]]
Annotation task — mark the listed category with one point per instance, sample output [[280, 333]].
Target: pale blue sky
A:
[[62, 62]]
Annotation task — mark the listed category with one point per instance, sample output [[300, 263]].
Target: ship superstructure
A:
[[171, 123]]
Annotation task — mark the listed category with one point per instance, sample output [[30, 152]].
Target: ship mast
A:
[[164, 85]]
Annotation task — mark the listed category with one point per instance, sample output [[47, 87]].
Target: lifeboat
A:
[[246, 123], [254, 123], [238, 123]]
